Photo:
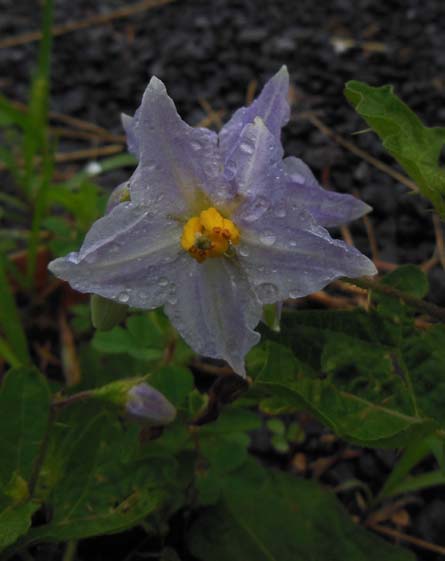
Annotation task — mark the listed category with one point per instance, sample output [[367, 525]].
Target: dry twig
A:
[[97, 19]]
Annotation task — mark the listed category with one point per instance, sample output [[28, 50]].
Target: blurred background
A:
[[214, 54]]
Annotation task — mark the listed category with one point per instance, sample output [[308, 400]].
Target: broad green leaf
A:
[[10, 321], [416, 147], [15, 522], [24, 415], [174, 382], [409, 279], [351, 417], [424, 355], [93, 481], [276, 517], [24, 411]]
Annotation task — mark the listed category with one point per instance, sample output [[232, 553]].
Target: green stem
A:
[[420, 305], [70, 551], [39, 461]]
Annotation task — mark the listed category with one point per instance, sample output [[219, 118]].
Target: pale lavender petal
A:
[[132, 141], [177, 163], [290, 256], [216, 311], [271, 106], [327, 207], [252, 166], [127, 256]]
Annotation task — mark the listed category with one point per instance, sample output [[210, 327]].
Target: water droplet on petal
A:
[[280, 210], [255, 210], [247, 147], [297, 177], [195, 145], [267, 238], [151, 166], [293, 243], [267, 292], [123, 297], [243, 251], [230, 169], [294, 293], [163, 281]]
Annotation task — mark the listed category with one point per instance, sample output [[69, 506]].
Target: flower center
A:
[[209, 235]]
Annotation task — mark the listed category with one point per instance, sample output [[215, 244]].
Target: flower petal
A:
[[254, 161], [271, 105], [127, 256], [129, 127], [291, 256], [327, 207], [216, 311], [176, 161]]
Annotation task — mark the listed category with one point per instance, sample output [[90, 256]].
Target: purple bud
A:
[[149, 406]]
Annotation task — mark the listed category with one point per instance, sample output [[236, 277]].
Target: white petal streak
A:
[[127, 256], [175, 160], [216, 311]]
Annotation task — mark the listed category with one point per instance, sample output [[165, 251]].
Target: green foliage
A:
[[263, 516], [348, 415], [93, 480], [24, 416], [417, 148], [13, 344]]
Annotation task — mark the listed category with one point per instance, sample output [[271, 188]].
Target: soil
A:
[[212, 50]]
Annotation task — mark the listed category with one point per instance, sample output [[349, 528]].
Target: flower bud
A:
[[105, 314], [149, 406]]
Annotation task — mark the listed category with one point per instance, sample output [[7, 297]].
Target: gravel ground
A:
[[212, 50]]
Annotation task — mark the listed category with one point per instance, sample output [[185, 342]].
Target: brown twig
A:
[[421, 305], [310, 116], [213, 116], [250, 93], [89, 153], [97, 19], [406, 538], [92, 128]]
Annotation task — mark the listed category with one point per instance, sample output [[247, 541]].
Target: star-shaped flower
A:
[[214, 226]]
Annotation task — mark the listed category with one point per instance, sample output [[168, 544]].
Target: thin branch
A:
[[406, 538], [310, 116], [97, 19], [420, 305]]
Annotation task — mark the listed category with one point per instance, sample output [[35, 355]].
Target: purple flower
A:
[[149, 406], [217, 226]]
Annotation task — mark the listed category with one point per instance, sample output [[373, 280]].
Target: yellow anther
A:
[[209, 235]]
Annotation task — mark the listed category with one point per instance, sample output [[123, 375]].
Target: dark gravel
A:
[[212, 49]]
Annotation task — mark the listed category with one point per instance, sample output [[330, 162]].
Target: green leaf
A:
[[24, 411], [424, 355], [174, 382], [274, 516], [413, 454], [24, 414], [408, 279], [351, 417], [15, 522], [417, 148], [10, 322], [92, 479]]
